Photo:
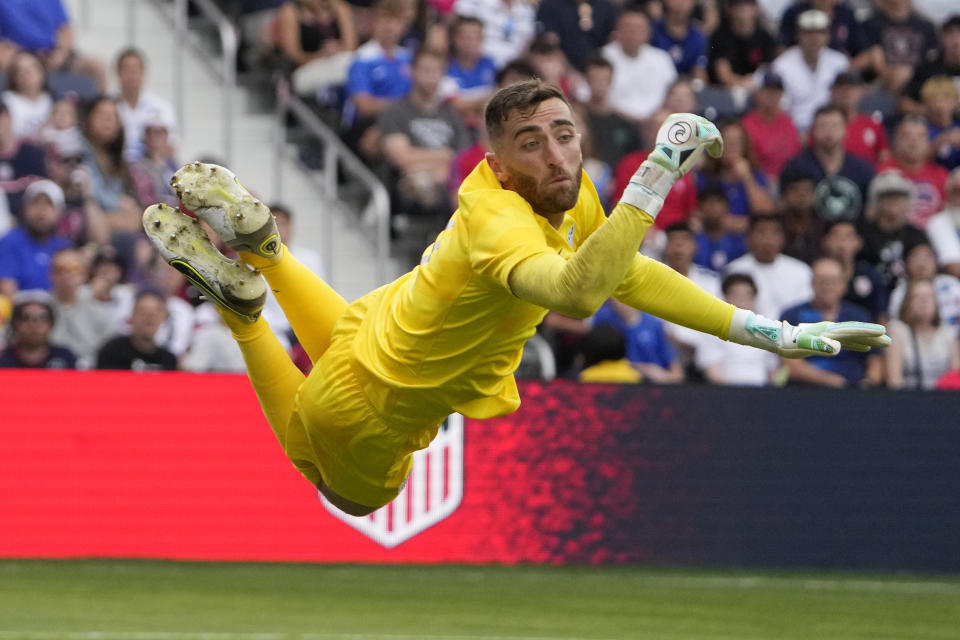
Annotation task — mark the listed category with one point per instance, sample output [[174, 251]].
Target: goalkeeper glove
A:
[[681, 140], [805, 339]]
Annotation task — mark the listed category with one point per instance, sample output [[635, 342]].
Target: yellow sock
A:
[[310, 304]]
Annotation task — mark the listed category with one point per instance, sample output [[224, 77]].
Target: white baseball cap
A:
[[813, 20], [47, 188], [890, 182]]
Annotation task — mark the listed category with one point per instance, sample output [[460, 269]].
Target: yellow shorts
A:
[[339, 433]]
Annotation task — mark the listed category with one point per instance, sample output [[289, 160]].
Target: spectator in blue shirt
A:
[[676, 35], [471, 76], [648, 349], [717, 245], [25, 251], [378, 77], [848, 368], [42, 27]]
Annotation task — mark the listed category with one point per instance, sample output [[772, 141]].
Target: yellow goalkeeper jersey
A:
[[451, 328]]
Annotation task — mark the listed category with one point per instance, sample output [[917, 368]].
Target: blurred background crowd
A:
[[837, 196]]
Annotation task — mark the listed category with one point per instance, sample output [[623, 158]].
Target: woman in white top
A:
[[29, 103], [923, 348]]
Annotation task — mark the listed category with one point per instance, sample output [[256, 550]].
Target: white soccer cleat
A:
[[215, 195], [185, 246]]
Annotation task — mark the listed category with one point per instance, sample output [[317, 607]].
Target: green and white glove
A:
[[681, 140], [805, 339]]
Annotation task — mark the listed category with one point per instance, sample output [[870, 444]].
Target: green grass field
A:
[[145, 600]]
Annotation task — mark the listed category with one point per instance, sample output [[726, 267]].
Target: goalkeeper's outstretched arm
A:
[[659, 290]]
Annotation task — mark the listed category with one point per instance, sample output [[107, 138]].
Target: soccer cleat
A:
[[184, 244], [215, 195]]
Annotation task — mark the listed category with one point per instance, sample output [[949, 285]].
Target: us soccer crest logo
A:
[[433, 491]]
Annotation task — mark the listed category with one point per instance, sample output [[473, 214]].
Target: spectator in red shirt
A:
[[911, 153], [866, 135], [772, 134]]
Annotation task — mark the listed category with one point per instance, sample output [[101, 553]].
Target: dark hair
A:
[[791, 176], [18, 310], [678, 227], [734, 279], [127, 52], [953, 22], [518, 67], [713, 191], [461, 21], [830, 108], [603, 342], [524, 97], [424, 52], [114, 147], [597, 60], [756, 219], [147, 292], [11, 69]]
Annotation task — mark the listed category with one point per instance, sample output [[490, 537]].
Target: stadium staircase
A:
[[345, 236]]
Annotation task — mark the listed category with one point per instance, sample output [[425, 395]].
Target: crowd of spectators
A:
[[837, 196]]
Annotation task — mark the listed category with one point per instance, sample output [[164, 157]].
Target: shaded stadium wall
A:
[[110, 464]]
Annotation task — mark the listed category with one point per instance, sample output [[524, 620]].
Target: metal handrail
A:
[[336, 154], [227, 71]]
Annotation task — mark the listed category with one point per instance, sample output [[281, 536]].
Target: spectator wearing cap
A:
[[31, 325], [583, 27], [809, 68], [138, 107], [941, 98], [846, 32], [26, 250], [943, 229], [866, 135], [888, 234], [138, 351], [21, 163], [842, 178], [911, 157], [772, 135], [850, 368], [676, 34], [947, 63], [633, 57], [740, 47], [899, 40]]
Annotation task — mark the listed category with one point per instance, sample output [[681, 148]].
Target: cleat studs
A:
[[173, 236], [156, 223]]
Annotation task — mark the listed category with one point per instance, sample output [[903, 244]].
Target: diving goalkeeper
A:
[[529, 235]]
